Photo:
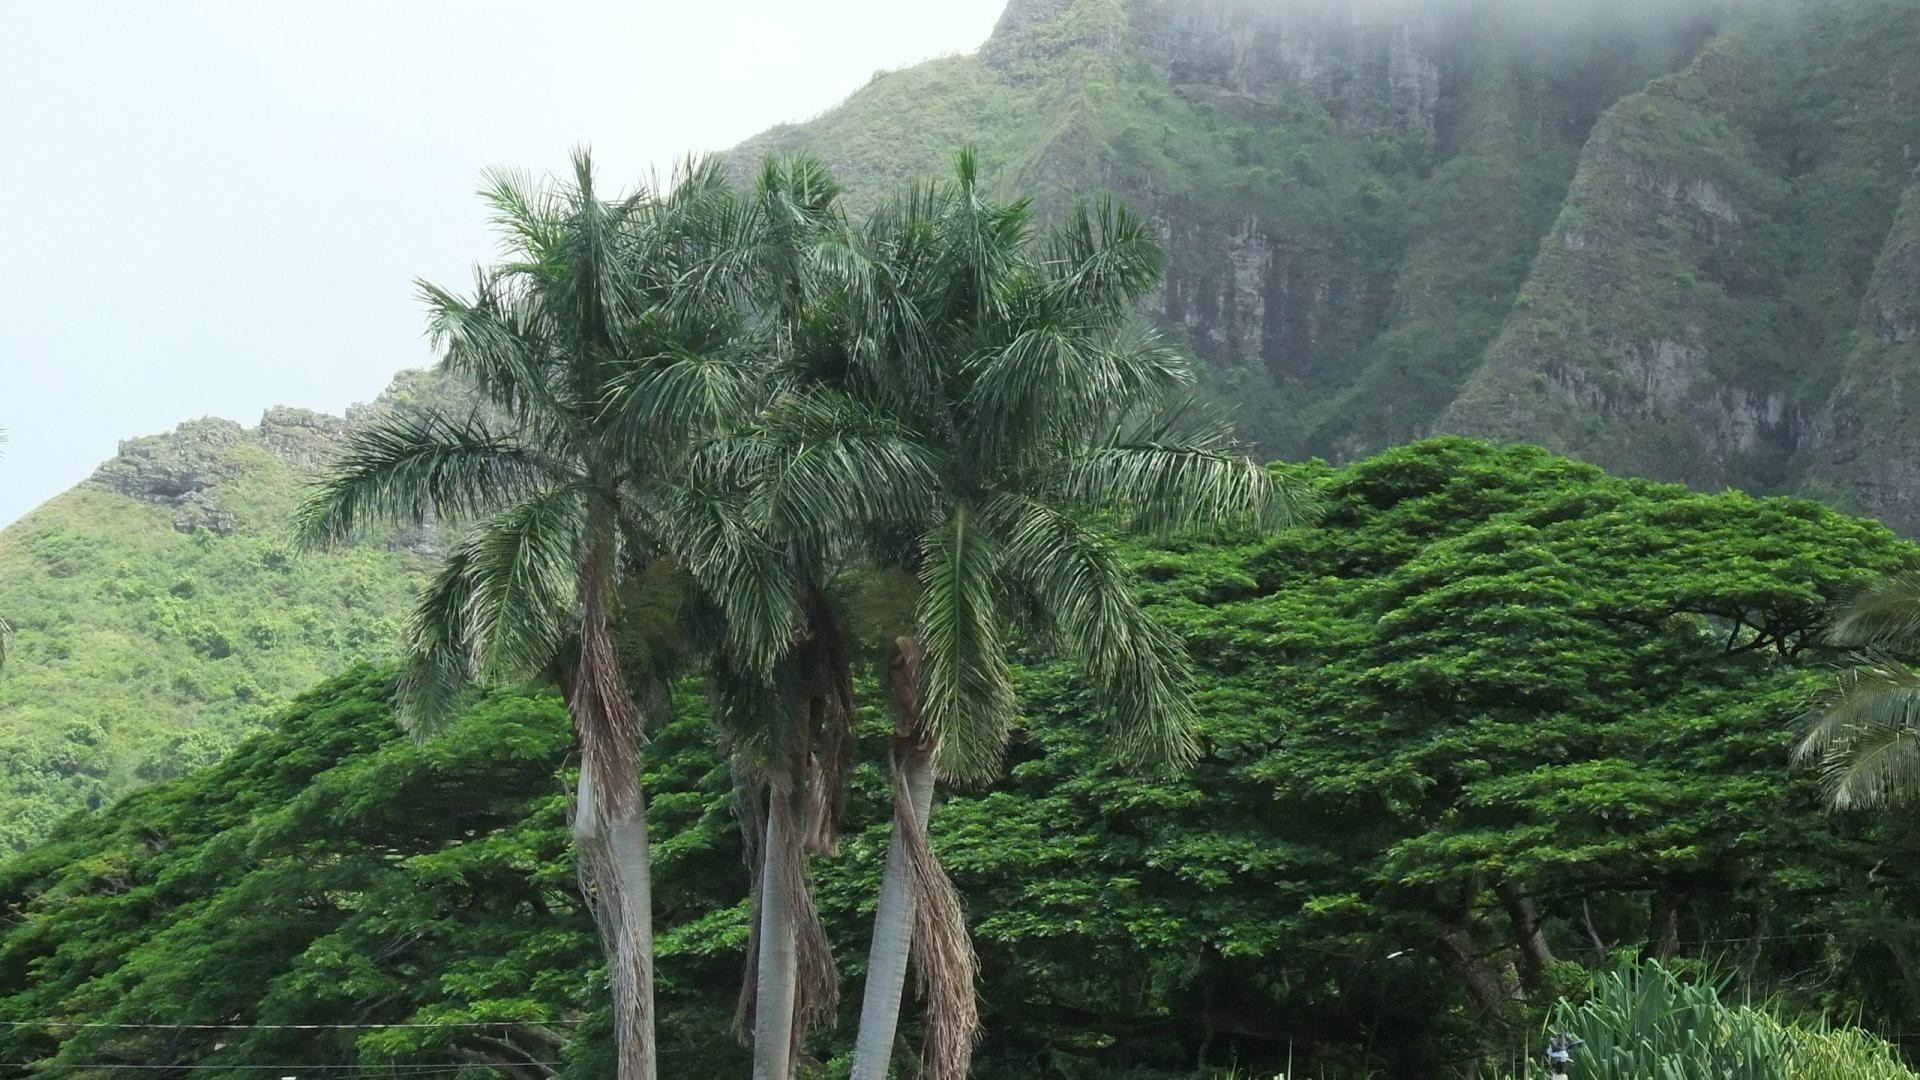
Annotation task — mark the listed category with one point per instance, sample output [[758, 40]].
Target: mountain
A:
[[163, 612], [1677, 238]]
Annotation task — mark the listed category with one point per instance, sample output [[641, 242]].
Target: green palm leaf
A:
[[409, 467], [969, 689], [1138, 667], [1885, 614], [1861, 734]]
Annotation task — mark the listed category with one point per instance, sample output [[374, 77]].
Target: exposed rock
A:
[[189, 460], [1372, 66], [199, 513], [305, 439]]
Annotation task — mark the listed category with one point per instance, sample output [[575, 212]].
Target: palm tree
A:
[[1864, 732], [1034, 401], [605, 346]]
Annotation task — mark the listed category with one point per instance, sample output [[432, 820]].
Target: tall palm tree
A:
[[605, 346], [813, 469], [1035, 404], [1864, 732]]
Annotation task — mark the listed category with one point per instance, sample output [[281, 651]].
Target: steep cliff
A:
[[1697, 300], [1640, 232]]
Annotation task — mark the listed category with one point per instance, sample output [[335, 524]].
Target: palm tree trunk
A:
[[617, 866], [610, 820], [777, 977], [633, 951], [893, 921]]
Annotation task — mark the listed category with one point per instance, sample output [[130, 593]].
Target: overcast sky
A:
[[210, 207]]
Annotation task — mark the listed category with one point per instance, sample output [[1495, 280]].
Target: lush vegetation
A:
[[1647, 233], [1499, 720], [145, 649], [1653, 1021], [774, 484]]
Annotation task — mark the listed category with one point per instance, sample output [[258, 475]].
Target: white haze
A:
[[210, 207]]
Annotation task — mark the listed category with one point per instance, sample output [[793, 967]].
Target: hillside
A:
[[1677, 239], [162, 611], [1413, 727], [1665, 237]]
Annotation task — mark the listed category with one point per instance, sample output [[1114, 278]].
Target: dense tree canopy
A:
[[1500, 718]]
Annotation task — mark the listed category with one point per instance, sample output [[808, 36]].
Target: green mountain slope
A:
[[1677, 238], [1639, 232], [162, 611], [1409, 718]]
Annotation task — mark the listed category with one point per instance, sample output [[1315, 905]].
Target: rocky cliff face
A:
[[1642, 232]]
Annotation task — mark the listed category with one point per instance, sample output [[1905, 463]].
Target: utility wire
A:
[[382, 1070], [279, 1027]]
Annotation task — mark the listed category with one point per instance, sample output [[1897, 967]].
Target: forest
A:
[[1494, 726]]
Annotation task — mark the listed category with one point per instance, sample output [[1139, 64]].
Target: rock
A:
[[305, 439], [191, 459]]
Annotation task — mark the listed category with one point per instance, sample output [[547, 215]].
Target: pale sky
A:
[[210, 207]]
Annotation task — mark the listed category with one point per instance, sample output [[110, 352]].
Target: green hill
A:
[[162, 612], [1502, 718]]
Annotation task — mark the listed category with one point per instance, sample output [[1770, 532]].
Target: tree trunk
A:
[[616, 865], [893, 924], [1461, 952], [1536, 956], [777, 975], [610, 818], [1663, 924]]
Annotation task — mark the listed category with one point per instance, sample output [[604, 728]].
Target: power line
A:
[[384, 1070], [277, 1027]]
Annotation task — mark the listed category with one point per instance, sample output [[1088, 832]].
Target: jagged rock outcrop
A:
[[194, 469], [188, 461]]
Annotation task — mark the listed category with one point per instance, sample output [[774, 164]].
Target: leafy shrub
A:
[[1648, 1022]]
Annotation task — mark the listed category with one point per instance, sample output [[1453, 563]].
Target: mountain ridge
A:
[[1679, 240], [1386, 221]]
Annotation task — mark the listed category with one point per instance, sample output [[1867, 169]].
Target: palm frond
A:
[[1862, 731], [1885, 614], [749, 583], [1181, 471], [1105, 255], [969, 701], [521, 565], [1137, 666], [677, 399], [1065, 375], [439, 670], [433, 686], [830, 466], [495, 339], [522, 211], [409, 467]]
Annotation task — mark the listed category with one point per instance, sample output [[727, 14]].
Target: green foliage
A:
[[1496, 670], [143, 651], [1650, 1021]]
